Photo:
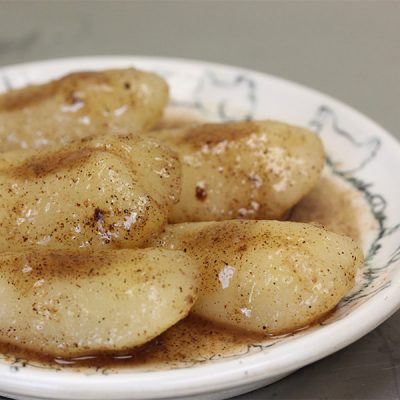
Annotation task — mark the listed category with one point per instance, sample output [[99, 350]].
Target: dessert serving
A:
[[164, 218], [113, 191]]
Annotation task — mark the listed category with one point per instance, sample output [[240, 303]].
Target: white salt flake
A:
[[85, 120], [246, 312], [225, 275], [71, 108], [121, 110], [130, 220]]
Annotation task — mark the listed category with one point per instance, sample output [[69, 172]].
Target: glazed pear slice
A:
[[79, 105], [249, 170], [67, 304], [102, 192], [266, 276]]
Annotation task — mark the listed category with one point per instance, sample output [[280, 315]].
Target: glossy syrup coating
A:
[[247, 170], [69, 303], [103, 192], [268, 277], [79, 105]]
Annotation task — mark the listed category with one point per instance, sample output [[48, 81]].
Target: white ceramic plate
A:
[[359, 152]]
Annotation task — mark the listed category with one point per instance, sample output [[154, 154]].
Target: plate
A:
[[359, 153]]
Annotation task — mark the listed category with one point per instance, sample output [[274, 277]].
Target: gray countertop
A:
[[350, 50]]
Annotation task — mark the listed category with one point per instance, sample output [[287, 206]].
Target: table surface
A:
[[350, 50]]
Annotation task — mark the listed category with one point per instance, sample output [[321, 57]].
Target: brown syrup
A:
[[191, 341], [334, 205]]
